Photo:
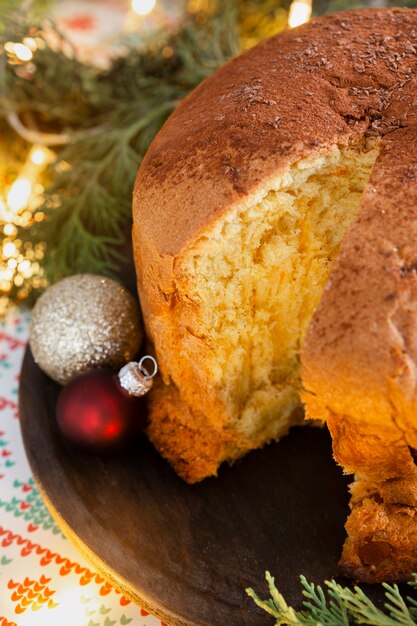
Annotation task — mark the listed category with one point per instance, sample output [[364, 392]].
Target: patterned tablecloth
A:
[[44, 581]]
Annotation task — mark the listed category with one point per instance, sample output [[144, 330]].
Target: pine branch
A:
[[110, 117], [93, 215], [277, 606], [339, 606], [332, 613], [360, 607]]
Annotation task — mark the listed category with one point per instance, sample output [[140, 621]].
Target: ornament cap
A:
[[135, 378]]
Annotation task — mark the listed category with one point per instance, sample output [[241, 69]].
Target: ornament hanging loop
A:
[[136, 379], [144, 370]]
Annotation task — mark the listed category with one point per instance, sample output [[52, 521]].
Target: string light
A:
[[38, 155], [143, 7], [41, 156], [31, 43], [300, 12], [9, 229], [9, 249], [23, 187], [19, 262], [26, 184], [19, 194], [23, 53]]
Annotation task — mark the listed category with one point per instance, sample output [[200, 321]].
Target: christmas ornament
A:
[[82, 323], [102, 411]]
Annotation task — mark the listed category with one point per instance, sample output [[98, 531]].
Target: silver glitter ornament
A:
[[82, 323], [135, 378]]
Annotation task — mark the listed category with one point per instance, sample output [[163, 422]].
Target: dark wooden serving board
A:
[[187, 552]]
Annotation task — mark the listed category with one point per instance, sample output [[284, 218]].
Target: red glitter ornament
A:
[[95, 412]]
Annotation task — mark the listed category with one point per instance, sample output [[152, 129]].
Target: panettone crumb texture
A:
[[246, 292]]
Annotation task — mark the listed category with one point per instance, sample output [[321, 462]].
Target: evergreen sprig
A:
[[339, 605], [110, 118]]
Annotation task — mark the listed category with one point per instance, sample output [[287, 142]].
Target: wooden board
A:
[[187, 553]]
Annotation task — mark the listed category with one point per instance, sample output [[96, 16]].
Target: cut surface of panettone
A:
[[250, 285], [283, 190]]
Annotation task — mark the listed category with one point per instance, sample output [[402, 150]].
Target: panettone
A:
[[240, 209]]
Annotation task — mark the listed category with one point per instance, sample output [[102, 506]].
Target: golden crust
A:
[[331, 81], [193, 447]]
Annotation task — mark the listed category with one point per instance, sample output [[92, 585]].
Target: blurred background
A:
[[84, 87]]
